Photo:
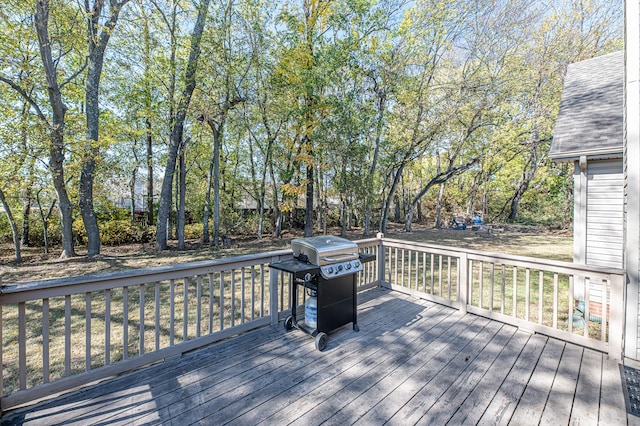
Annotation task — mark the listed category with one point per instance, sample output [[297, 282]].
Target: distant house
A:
[[589, 134]]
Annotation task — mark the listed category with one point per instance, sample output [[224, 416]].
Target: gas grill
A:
[[326, 265]]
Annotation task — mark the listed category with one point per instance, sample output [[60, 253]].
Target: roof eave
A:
[[597, 154]]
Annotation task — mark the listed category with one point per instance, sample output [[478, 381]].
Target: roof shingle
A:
[[590, 121]]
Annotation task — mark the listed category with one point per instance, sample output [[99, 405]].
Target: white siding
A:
[[605, 221], [599, 225]]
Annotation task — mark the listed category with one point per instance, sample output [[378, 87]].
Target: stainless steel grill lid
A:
[[324, 250]]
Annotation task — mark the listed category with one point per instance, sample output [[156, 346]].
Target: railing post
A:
[[616, 312], [273, 293], [381, 259], [463, 282]]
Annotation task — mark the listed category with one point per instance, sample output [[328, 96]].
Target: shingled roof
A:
[[590, 121]]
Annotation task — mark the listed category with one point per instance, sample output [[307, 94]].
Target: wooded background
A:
[[209, 118]]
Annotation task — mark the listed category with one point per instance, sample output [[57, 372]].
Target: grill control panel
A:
[[340, 269]]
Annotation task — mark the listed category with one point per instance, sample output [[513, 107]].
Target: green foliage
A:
[[116, 232], [372, 95]]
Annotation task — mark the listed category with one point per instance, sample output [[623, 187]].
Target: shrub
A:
[[193, 231], [116, 232]]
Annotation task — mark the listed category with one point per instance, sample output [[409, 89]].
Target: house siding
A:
[[605, 220], [598, 222]]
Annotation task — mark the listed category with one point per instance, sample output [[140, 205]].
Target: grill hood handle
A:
[[341, 258]]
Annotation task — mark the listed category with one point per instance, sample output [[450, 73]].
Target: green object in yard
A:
[[592, 318], [578, 320]]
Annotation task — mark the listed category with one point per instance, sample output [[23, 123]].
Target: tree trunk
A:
[[149, 200], [55, 128], [207, 205], [148, 129], [14, 227], [381, 104], [527, 176], [308, 217], [216, 187], [97, 45], [26, 216], [439, 207], [45, 221], [177, 127], [132, 193], [387, 205], [182, 190], [277, 212]]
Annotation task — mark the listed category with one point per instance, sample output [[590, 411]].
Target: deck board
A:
[[534, 399], [413, 362]]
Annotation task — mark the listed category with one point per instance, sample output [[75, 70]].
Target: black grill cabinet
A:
[[333, 280]]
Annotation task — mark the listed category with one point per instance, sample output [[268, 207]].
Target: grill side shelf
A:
[[296, 267]]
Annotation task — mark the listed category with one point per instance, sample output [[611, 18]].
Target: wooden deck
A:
[[413, 362]]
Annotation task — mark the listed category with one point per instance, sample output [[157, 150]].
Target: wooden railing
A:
[[533, 294], [63, 333]]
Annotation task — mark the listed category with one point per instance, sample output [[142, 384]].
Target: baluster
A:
[[253, 293], [440, 275], [409, 267], [211, 297], [470, 288], [502, 289], [221, 300], [261, 291], [67, 335], [587, 305], [233, 297], [527, 293], [242, 290], [449, 278], [402, 269], [540, 296], [396, 266], [22, 345], [185, 309], [424, 272], [141, 333], [157, 315], [172, 311], [417, 270], [199, 305], [555, 300], [604, 317], [481, 281], [125, 322], [107, 326], [432, 272], [45, 341], [87, 336], [492, 268], [515, 292], [571, 302]]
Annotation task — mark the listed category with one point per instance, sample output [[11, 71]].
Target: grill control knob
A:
[[330, 269], [339, 267], [307, 277], [348, 266], [356, 264]]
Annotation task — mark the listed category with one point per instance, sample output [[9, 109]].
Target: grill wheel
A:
[[321, 341]]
